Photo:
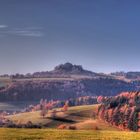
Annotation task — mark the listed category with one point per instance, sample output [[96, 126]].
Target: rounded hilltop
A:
[[71, 68], [68, 67]]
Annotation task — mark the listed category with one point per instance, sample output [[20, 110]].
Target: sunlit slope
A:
[[80, 116]]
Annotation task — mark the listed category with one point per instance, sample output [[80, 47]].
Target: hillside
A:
[[80, 116], [34, 90]]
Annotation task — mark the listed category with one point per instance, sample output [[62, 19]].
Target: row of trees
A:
[[84, 100], [122, 111], [45, 105]]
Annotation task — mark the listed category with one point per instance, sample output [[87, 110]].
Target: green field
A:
[[54, 134], [85, 127]]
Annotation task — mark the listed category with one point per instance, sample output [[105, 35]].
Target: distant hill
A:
[[69, 68], [61, 71], [128, 75], [64, 82], [66, 70]]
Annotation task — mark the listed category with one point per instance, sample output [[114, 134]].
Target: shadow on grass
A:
[[62, 119]]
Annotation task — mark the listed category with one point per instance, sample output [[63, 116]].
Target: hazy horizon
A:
[[65, 63], [37, 35]]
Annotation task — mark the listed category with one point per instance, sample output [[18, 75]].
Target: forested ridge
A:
[[62, 90]]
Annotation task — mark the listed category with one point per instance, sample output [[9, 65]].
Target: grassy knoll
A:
[[80, 115], [77, 114]]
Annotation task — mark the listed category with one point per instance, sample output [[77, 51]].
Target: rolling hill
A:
[[79, 116]]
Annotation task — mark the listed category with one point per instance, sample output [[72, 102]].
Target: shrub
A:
[[72, 127]]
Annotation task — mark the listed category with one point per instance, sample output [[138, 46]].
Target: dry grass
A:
[[53, 134], [80, 115]]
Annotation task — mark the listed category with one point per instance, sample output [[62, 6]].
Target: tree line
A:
[[122, 110]]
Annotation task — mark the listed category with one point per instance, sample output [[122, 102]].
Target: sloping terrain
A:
[[81, 117], [34, 90]]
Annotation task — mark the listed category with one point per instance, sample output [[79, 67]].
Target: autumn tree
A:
[[65, 107], [43, 112], [100, 99], [43, 108]]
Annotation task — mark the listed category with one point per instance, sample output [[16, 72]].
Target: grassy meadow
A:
[[54, 134]]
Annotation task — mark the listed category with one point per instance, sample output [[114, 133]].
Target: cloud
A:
[[3, 26], [26, 32]]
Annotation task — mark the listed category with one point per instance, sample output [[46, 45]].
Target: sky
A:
[[100, 35]]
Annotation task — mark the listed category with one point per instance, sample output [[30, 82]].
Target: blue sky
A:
[[101, 35]]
